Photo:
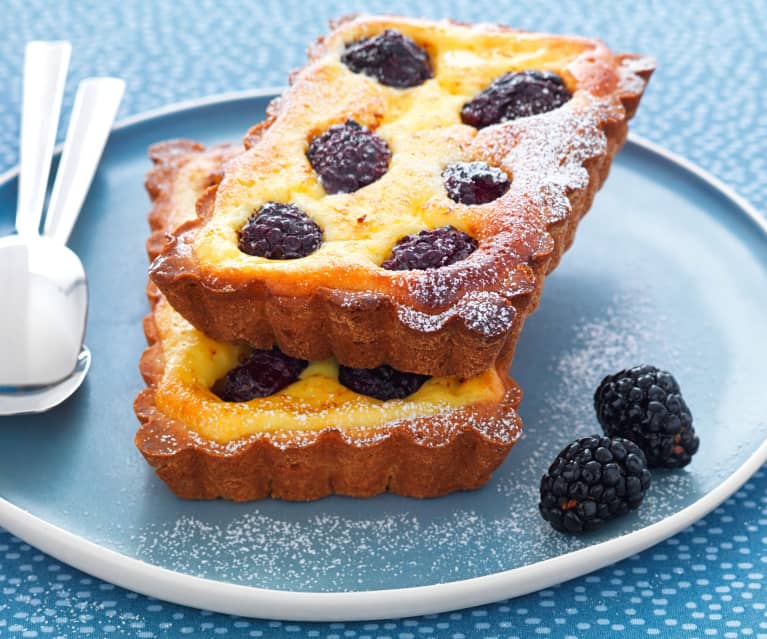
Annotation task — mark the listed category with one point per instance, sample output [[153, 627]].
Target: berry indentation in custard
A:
[[430, 249], [382, 383], [348, 156], [280, 231], [391, 58], [513, 95], [260, 374], [474, 182]]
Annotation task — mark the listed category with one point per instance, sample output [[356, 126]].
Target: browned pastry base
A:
[[454, 320], [419, 457], [425, 457]]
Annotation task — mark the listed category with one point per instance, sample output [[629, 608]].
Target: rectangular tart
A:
[[367, 156]]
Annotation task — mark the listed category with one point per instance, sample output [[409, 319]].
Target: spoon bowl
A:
[[44, 296], [38, 399]]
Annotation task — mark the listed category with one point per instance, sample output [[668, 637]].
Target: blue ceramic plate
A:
[[669, 268]]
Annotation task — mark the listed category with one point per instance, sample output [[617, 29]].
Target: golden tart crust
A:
[[314, 438], [338, 301]]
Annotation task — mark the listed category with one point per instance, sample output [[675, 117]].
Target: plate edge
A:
[[286, 605]]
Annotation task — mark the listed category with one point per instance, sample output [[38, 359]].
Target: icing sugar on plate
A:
[[329, 543]]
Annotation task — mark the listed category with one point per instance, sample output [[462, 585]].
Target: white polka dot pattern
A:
[[706, 102]]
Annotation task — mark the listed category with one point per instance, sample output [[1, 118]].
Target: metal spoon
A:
[[43, 288], [38, 399]]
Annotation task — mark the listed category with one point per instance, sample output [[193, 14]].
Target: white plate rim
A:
[[250, 601]]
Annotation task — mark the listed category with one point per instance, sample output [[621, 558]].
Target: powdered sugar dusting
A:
[[483, 312], [546, 154], [253, 547], [486, 313], [620, 338], [551, 198]]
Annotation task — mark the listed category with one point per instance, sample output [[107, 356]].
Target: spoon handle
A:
[[93, 113], [45, 71]]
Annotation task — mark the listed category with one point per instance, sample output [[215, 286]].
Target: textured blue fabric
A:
[[706, 102]]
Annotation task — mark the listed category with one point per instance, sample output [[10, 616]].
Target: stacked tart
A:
[[336, 304]]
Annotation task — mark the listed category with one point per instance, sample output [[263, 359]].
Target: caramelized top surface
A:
[[543, 155]]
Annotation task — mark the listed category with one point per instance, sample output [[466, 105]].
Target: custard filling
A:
[[193, 363], [421, 125]]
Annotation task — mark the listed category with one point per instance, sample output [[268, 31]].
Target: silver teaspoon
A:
[[42, 283]]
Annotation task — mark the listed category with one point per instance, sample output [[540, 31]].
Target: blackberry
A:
[[382, 383], [280, 232], [260, 374], [515, 95], [430, 249], [645, 405], [474, 182], [594, 479], [348, 156], [391, 58]]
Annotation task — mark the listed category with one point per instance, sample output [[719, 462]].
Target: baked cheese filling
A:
[[422, 126], [193, 363]]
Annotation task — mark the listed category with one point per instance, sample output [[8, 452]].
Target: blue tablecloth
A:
[[706, 102]]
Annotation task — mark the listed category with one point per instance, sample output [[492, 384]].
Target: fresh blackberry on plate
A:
[[594, 479], [513, 95], [474, 182], [280, 231], [644, 404], [260, 374], [430, 249], [382, 383], [391, 58], [348, 156]]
